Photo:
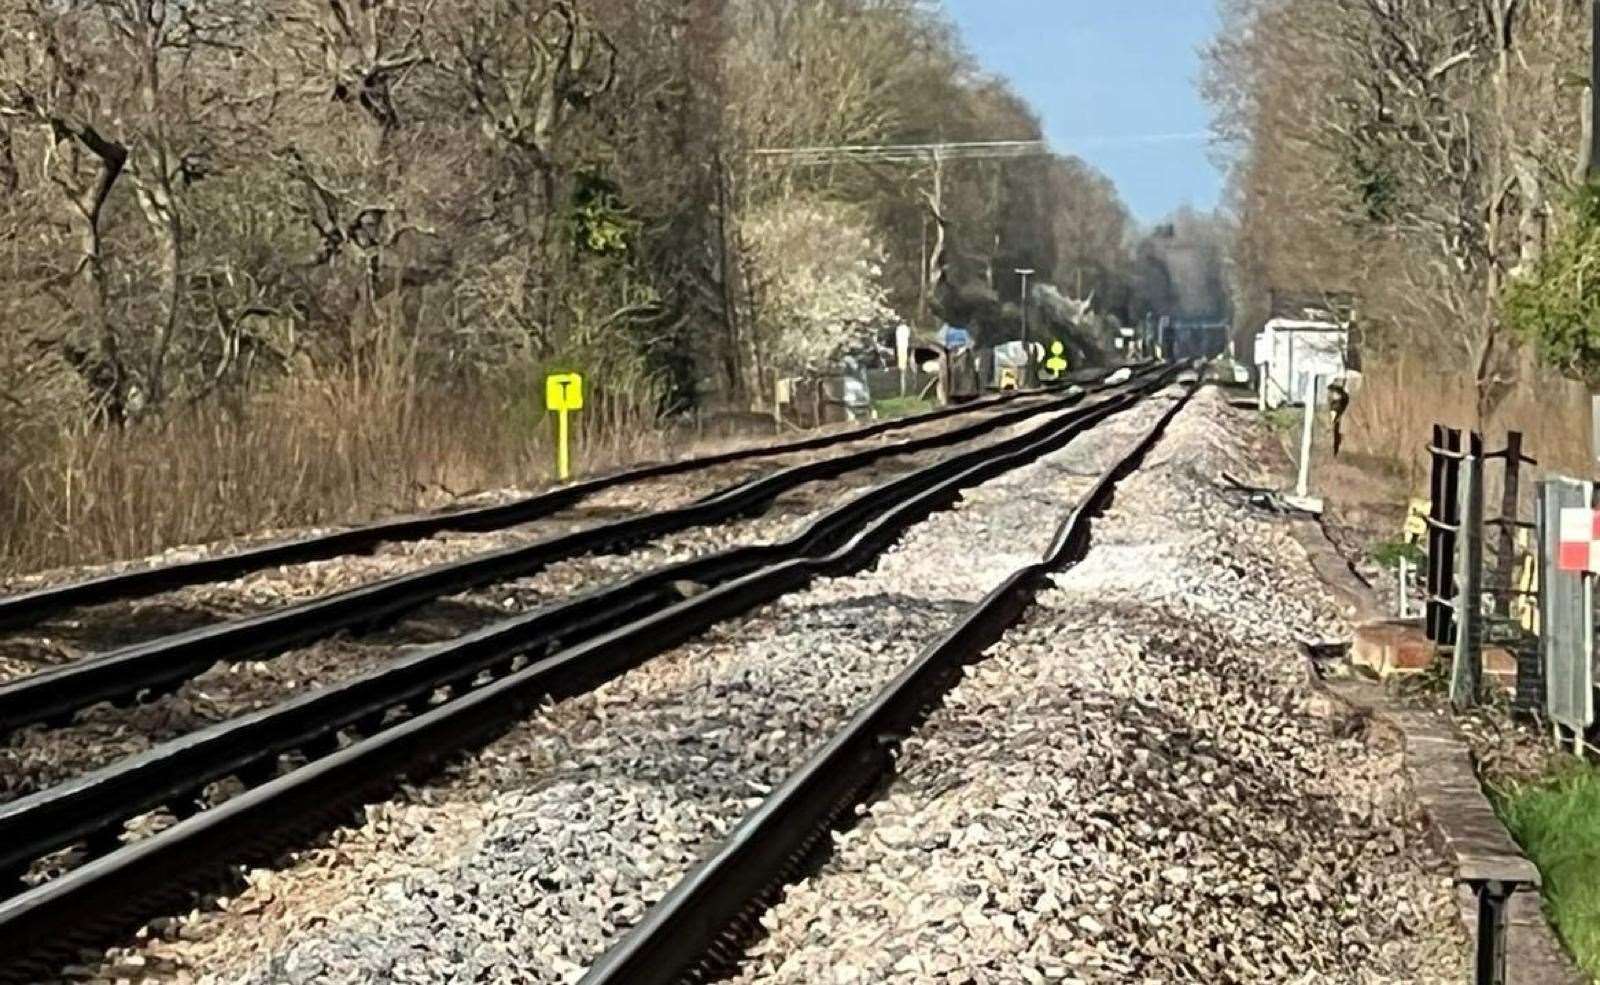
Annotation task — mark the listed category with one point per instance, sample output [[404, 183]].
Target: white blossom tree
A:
[[814, 275]]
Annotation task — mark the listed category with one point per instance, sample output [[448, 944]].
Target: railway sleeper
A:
[[187, 804], [372, 722], [258, 771], [103, 841], [318, 746], [61, 720]]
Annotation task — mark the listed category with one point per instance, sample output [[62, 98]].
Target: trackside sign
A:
[[1580, 541]]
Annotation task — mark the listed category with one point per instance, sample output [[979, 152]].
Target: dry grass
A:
[[333, 451], [1391, 419]]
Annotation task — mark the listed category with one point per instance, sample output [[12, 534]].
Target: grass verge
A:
[[901, 406], [333, 450], [1556, 819]]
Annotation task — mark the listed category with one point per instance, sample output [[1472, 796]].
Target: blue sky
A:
[[1114, 82]]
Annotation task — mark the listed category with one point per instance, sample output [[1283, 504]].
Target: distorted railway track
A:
[[696, 932], [28, 607], [359, 737], [148, 669]]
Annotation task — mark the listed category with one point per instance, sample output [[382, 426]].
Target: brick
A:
[[1391, 647], [1500, 668]]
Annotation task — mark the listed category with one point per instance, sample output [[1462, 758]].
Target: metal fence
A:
[[1444, 523], [1473, 594], [1479, 595]]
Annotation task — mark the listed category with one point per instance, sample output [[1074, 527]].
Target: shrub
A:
[[1557, 309]]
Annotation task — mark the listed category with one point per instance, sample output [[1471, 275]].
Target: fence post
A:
[[1467, 668], [1443, 523], [1508, 595], [1436, 467], [1566, 612], [1489, 964], [1510, 510]]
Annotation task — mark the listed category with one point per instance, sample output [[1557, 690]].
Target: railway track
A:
[[697, 931], [149, 669], [407, 717], [29, 607]]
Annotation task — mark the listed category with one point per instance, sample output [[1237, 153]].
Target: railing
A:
[[1471, 603]]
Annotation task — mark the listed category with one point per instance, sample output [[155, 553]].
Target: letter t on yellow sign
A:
[[563, 392]]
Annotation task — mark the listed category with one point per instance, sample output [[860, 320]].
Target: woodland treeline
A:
[[202, 199], [266, 262], [1428, 156]]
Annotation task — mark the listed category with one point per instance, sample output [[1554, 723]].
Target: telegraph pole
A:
[[1594, 93], [1031, 373]]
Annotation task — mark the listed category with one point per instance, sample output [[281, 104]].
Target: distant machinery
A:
[[1191, 339]]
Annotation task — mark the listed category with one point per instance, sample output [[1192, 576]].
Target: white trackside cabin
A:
[[1290, 354]]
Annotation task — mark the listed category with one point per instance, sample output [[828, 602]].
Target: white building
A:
[[1290, 354]]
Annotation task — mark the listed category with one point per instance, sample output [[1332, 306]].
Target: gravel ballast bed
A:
[[1138, 784], [39, 756], [528, 860], [71, 635]]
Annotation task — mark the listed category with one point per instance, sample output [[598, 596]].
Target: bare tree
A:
[[47, 86], [1411, 148]]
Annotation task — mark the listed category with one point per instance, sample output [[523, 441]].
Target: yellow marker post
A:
[[563, 392], [1416, 526]]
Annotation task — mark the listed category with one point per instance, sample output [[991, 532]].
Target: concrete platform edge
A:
[[1441, 775]]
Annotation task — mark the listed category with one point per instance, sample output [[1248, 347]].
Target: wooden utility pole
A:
[[1030, 368], [1594, 92], [932, 263]]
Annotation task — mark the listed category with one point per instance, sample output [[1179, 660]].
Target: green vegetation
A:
[[1558, 308], [901, 406], [1286, 420], [1557, 820], [1389, 553]]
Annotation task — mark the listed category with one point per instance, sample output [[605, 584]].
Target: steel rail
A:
[[695, 930], [120, 890], [29, 607], [91, 808], [121, 675]]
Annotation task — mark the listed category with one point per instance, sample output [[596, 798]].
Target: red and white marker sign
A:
[[1580, 541]]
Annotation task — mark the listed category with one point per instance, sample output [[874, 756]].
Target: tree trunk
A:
[[725, 260], [155, 199], [1500, 13], [101, 366]]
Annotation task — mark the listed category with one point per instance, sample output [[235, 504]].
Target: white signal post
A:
[[1302, 486], [563, 393], [902, 352]]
